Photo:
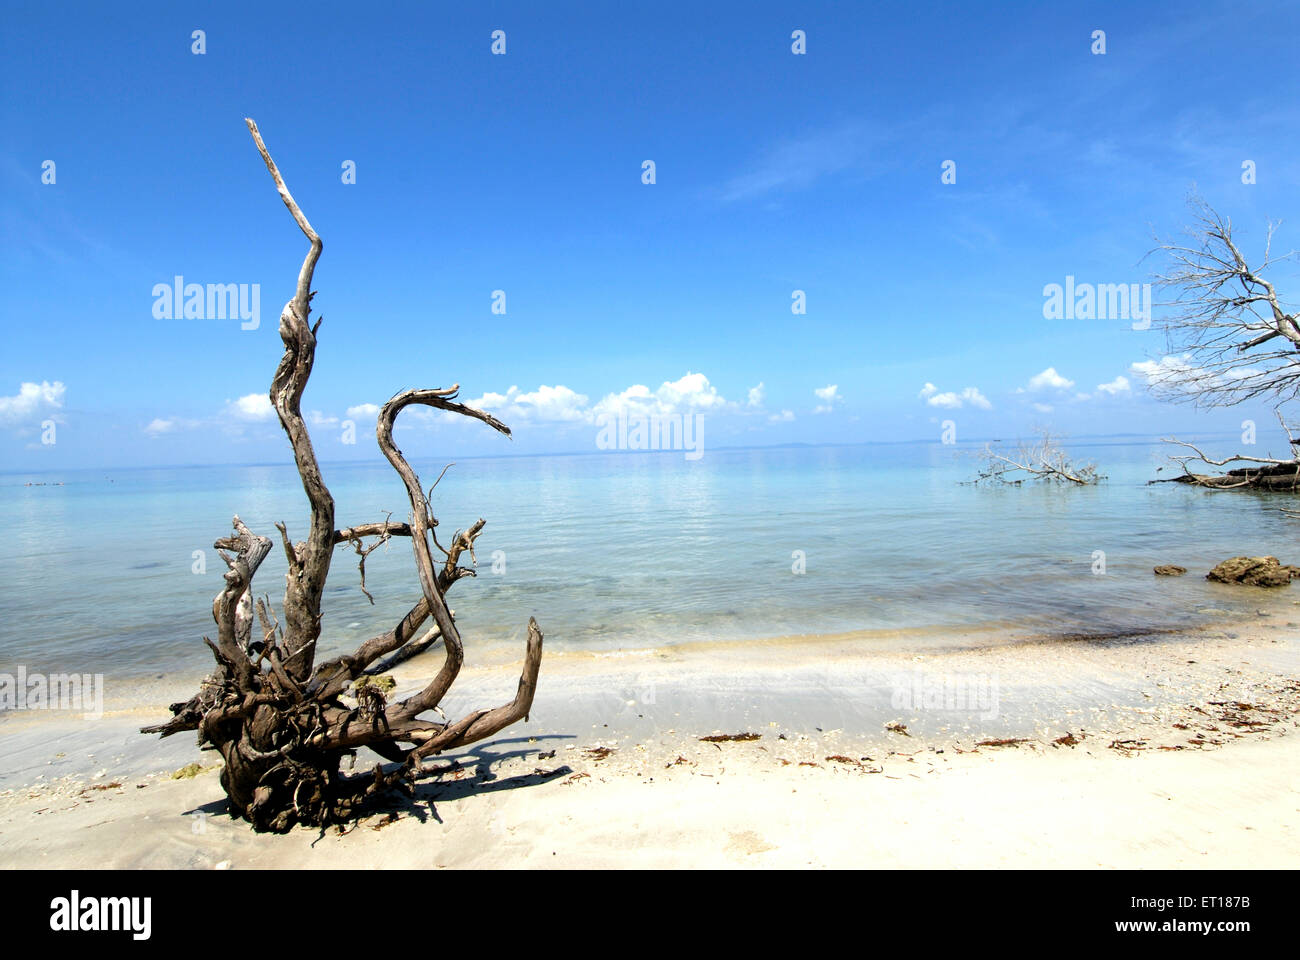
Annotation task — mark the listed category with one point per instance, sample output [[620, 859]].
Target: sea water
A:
[[113, 571]]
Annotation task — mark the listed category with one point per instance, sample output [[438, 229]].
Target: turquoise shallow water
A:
[[624, 549]]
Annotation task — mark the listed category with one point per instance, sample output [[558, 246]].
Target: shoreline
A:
[[151, 691], [611, 769], [802, 682]]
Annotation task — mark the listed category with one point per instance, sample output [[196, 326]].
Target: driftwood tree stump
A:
[[277, 717]]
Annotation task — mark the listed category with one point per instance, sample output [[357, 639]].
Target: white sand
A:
[[1228, 797]]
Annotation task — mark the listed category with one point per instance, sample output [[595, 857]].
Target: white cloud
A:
[[253, 406], [560, 404], [544, 405], [318, 419], [691, 394], [929, 390], [634, 399], [1118, 385], [955, 401], [1049, 378], [1043, 407], [829, 395], [692, 391], [1179, 373], [1156, 370], [161, 425], [31, 400]]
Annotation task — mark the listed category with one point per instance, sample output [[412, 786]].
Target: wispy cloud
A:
[[799, 162]]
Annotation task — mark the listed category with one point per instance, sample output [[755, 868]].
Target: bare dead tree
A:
[[1267, 473], [1230, 334], [1042, 459], [278, 718], [1231, 338]]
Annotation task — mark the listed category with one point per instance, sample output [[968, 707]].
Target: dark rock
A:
[[1170, 570], [1254, 572]]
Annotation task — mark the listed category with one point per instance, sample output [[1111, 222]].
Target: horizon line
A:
[[582, 453]]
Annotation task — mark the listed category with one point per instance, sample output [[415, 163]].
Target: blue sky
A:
[[475, 172]]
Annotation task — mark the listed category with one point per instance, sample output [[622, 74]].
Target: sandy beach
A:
[[1172, 750]]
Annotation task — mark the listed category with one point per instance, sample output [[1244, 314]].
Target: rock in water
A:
[[1170, 570], [1254, 572]]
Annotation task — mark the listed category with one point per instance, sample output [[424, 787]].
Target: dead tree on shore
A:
[[278, 717], [1037, 460], [1231, 338], [1265, 473]]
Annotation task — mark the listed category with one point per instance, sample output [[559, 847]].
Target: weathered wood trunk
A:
[[1282, 476], [283, 723]]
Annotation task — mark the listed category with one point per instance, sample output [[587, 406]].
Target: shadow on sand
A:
[[462, 775]]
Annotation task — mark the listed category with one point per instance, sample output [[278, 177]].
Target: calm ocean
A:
[[618, 550]]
